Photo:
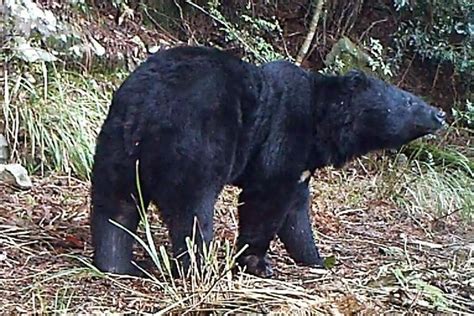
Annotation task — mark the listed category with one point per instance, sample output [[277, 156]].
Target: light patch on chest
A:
[[304, 176]]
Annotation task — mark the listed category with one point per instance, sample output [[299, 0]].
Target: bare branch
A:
[[312, 31]]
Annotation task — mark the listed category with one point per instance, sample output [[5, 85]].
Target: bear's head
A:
[[384, 116]]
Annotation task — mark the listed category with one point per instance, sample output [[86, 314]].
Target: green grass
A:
[[433, 186], [439, 191], [413, 185], [438, 177], [52, 118]]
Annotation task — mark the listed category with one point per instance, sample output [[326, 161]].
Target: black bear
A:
[[197, 118]]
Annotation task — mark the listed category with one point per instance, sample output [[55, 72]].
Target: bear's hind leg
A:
[[112, 244]]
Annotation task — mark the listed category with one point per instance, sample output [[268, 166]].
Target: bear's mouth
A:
[[433, 124], [427, 132], [430, 132]]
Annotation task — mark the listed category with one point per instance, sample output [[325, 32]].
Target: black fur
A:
[[198, 118]]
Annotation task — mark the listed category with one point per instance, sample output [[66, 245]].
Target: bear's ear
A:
[[357, 79]]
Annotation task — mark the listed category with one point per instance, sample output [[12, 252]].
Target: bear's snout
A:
[[437, 119], [430, 119], [440, 117]]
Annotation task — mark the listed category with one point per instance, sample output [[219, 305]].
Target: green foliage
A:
[[249, 32], [437, 30], [52, 119], [424, 177], [329, 262], [439, 191], [50, 116], [377, 58], [400, 3], [446, 156], [433, 179], [465, 117]]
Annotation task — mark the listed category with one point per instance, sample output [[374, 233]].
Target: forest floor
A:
[[387, 259]]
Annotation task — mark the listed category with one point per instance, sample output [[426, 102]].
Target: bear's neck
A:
[[335, 140]]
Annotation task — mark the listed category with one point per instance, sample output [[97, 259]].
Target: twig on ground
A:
[[445, 215]]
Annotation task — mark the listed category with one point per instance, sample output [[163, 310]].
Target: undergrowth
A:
[[212, 286], [249, 33], [410, 183], [443, 192], [52, 118]]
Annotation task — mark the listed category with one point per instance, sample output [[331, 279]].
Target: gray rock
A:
[[15, 175], [3, 149]]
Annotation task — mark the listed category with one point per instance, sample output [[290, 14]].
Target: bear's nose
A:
[[440, 116]]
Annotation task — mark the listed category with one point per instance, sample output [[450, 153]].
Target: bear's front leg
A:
[[296, 232], [262, 211]]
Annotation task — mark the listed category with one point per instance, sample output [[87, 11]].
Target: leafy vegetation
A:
[[54, 118], [249, 32], [50, 115], [437, 191], [465, 117], [440, 31]]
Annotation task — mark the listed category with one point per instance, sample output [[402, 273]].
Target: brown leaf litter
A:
[[387, 260]]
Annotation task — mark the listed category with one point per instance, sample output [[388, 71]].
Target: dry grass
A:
[[388, 260]]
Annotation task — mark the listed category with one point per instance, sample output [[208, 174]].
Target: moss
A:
[[348, 54]]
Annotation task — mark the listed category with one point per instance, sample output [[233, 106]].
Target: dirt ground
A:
[[387, 260]]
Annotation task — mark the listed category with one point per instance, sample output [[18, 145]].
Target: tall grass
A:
[[415, 186], [440, 188], [52, 118], [439, 176], [441, 192]]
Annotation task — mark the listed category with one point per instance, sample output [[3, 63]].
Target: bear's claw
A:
[[259, 266]]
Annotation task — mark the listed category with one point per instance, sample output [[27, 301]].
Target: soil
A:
[[384, 256]]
